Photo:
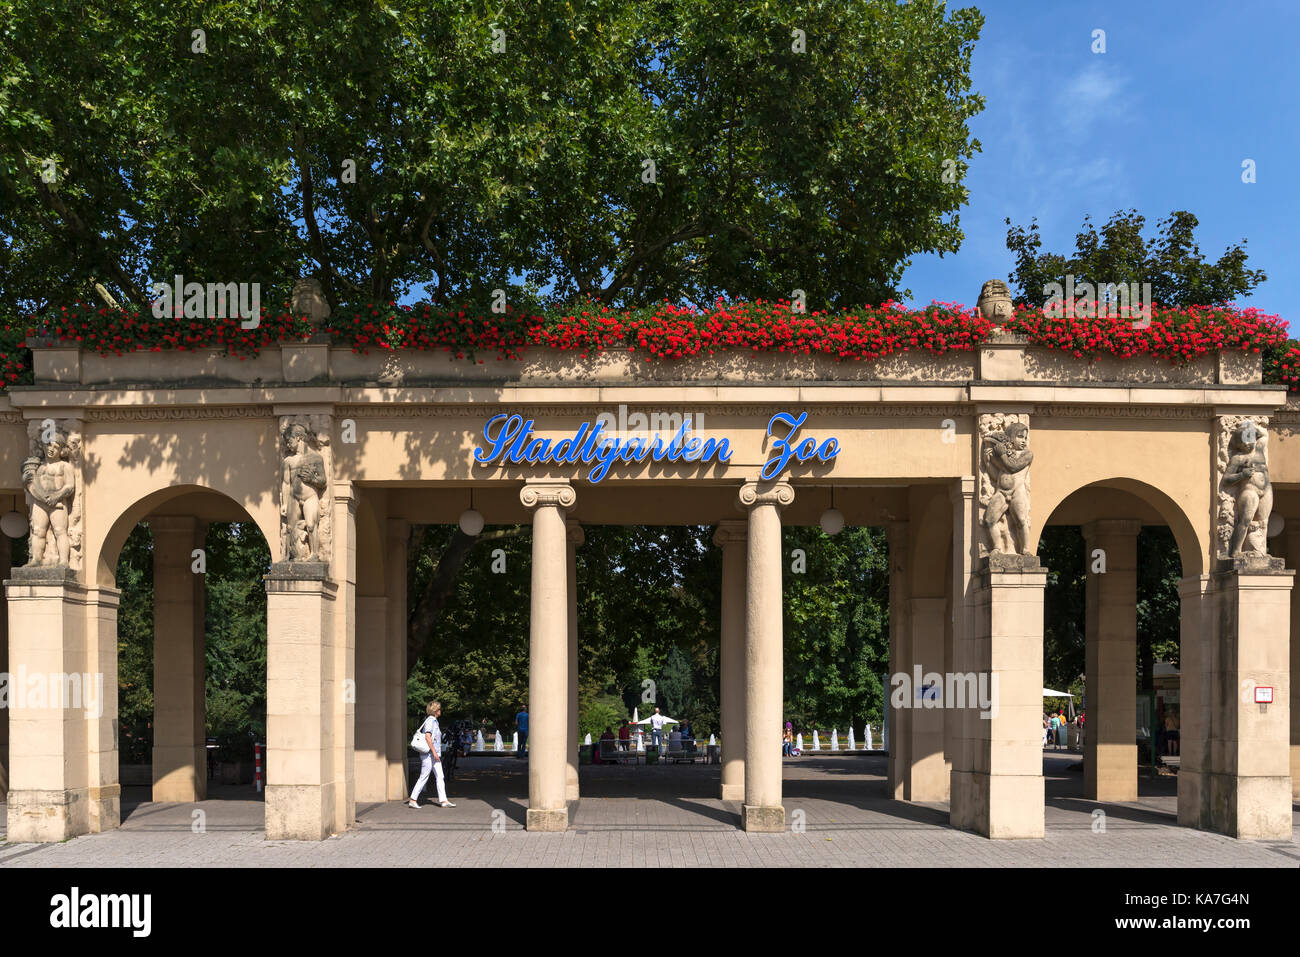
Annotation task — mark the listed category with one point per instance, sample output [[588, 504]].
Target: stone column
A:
[[63, 706], [399, 537], [180, 767], [1249, 784], [1001, 795], [574, 538], [301, 689], [373, 701], [960, 745], [926, 771], [4, 669], [1110, 618], [900, 662], [1293, 559], [764, 686], [730, 537], [344, 573], [1194, 666], [548, 657]]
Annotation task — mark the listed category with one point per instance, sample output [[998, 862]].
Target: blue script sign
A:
[[510, 440]]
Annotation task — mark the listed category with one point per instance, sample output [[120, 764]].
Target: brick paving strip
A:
[[666, 816]]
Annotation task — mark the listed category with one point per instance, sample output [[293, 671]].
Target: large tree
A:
[[1171, 261], [389, 148]]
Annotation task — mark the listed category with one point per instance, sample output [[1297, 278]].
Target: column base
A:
[[299, 812], [105, 805], [539, 819], [1112, 774], [46, 817], [733, 792], [1001, 807], [179, 775], [1250, 808], [762, 820]]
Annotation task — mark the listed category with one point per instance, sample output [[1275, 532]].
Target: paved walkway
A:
[[663, 816]]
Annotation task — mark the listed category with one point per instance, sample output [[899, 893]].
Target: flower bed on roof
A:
[[666, 332]]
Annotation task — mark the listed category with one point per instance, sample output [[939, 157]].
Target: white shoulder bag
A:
[[418, 741]]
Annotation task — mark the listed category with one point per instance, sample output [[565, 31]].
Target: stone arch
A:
[[207, 503], [1192, 537]]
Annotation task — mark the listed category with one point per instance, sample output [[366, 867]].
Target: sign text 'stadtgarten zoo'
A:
[[510, 439]]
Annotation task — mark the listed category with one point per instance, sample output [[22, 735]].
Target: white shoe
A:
[[413, 804], [446, 804]]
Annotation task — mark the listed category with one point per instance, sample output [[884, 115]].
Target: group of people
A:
[[681, 732], [1056, 727], [788, 742]]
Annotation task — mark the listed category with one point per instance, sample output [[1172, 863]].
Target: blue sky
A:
[[1161, 121]]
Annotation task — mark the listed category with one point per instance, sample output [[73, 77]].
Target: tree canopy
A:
[[428, 145], [1171, 261]]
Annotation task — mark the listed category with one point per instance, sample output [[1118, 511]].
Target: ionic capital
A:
[[558, 495], [753, 494]]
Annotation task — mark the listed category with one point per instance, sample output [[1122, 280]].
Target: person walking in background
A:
[[521, 725], [431, 760], [624, 736]]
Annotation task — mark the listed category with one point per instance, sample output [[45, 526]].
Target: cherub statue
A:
[[1246, 479], [51, 480], [302, 487], [1006, 459]]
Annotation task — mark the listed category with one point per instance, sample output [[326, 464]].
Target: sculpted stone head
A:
[[1018, 435]]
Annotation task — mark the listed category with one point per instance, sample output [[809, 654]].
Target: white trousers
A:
[[427, 764]]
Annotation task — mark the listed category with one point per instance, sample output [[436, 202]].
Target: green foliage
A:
[[1171, 261], [836, 627], [822, 170], [135, 647], [604, 711], [235, 619]]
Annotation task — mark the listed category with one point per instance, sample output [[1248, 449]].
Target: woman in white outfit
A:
[[431, 760]]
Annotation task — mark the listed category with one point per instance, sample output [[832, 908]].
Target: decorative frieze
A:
[[53, 480], [1004, 460], [306, 494]]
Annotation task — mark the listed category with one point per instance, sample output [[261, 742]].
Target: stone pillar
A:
[[764, 686], [180, 766], [730, 537], [926, 772], [1001, 794], [399, 537], [1194, 699], [1110, 618], [1293, 558], [344, 573], [301, 691], [574, 538], [1292, 538], [63, 706], [959, 746], [548, 657], [1247, 793], [900, 658], [4, 669], [373, 701]]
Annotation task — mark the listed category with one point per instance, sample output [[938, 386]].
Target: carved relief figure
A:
[[53, 481], [304, 494], [1245, 490], [995, 302], [1004, 483]]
